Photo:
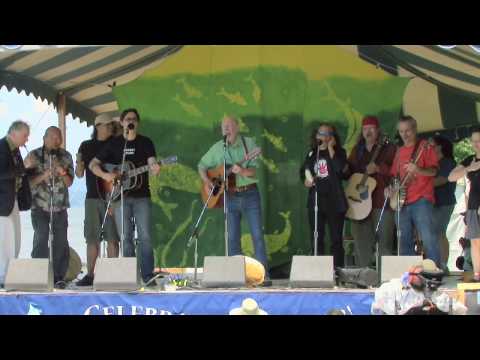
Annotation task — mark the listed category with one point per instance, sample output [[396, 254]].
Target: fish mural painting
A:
[[278, 93]]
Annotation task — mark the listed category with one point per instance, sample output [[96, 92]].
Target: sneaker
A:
[[151, 283], [87, 280], [266, 283], [61, 285]]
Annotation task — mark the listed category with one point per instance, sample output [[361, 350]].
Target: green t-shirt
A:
[[235, 154]]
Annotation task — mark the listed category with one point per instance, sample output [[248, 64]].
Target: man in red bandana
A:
[[359, 161]]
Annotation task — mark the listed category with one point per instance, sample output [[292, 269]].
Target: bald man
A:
[[244, 198], [62, 175]]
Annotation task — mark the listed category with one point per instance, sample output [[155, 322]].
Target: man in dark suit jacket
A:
[[15, 192]]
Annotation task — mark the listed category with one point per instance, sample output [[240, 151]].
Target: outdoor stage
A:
[[277, 300]]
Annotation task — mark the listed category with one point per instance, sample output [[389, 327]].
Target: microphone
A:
[[54, 152], [129, 127]]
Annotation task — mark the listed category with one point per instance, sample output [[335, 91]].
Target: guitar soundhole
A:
[[217, 183]]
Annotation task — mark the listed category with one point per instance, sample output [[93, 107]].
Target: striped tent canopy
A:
[[444, 93], [85, 74]]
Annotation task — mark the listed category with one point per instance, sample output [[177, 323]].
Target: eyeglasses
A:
[[325, 133]]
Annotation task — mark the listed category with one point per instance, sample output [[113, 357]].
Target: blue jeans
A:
[[247, 203], [141, 210], [420, 215], [41, 231]]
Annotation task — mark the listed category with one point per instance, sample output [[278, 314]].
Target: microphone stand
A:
[[378, 257], [377, 240], [103, 253], [399, 231], [120, 183], [51, 275], [225, 190], [194, 235], [315, 232]]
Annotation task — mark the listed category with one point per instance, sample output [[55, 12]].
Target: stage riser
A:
[[175, 303]]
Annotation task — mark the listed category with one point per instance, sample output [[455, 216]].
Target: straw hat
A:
[[103, 119], [249, 307], [254, 272], [430, 266]]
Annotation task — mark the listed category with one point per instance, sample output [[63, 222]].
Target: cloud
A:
[[40, 106], [3, 109]]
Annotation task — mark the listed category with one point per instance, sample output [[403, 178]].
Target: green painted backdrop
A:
[[278, 93]]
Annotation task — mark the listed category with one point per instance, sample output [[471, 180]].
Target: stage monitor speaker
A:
[[116, 274], [393, 267], [312, 272], [224, 272], [29, 275]]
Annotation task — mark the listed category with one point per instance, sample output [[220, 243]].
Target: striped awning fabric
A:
[[85, 74], [444, 93]]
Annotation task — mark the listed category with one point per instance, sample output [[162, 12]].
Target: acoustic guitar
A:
[[130, 178], [360, 188], [216, 177]]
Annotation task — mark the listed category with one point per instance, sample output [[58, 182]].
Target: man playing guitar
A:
[[361, 161], [244, 197], [140, 151], [416, 165]]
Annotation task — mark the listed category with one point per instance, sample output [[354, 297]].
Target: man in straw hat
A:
[[249, 307], [95, 206]]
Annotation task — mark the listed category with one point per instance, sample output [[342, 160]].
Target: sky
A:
[[40, 115]]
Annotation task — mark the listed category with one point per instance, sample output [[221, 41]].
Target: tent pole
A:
[[62, 111]]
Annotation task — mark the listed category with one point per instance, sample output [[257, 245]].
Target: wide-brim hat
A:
[[249, 307]]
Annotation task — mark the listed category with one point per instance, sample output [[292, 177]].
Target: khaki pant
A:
[[364, 235], [10, 240]]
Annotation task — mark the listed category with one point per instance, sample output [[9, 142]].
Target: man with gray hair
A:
[[244, 197], [416, 165], [15, 193]]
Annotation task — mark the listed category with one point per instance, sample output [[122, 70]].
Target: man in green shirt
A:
[[244, 198]]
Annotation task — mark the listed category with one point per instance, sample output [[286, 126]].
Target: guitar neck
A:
[[417, 157], [229, 172], [145, 168], [138, 171], [372, 160]]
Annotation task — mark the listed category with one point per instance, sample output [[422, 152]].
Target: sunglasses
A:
[[325, 133]]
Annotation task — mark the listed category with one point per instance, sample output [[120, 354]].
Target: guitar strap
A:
[[412, 158], [379, 145], [244, 145], [415, 150]]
